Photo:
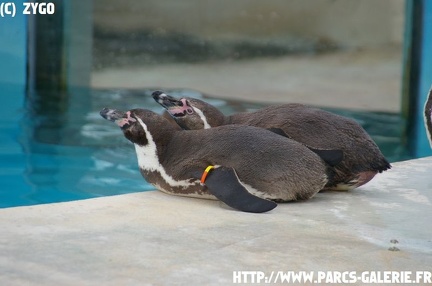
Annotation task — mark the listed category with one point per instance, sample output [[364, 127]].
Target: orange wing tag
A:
[[206, 172]]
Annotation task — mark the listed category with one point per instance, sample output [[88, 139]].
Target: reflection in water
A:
[[70, 152]]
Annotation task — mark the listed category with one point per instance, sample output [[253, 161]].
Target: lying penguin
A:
[[428, 116], [246, 167], [313, 127]]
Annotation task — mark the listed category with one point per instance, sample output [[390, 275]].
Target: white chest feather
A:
[[149, 161], [203, 118]]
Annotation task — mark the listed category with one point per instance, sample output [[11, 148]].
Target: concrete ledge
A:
[[155, 239]]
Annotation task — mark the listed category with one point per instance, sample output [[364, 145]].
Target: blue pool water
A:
[[57, 147]]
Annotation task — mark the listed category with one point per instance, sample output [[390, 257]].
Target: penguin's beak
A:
[[122, 119], [175, 107], [112, 114], [165, 100]]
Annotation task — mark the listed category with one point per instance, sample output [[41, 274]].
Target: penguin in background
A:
[[310, 126], [246, 167], [428, 116]]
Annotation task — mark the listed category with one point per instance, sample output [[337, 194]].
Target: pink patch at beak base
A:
[[125, 121], [185, 109]]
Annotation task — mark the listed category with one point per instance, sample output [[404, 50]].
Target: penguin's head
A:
[[190, 113], [428, 116], [139, 124]]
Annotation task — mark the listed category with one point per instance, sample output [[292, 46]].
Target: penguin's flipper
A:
[[224, 184], [331, 157], [278, 131]]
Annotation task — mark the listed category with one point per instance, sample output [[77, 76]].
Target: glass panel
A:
[[327, 53]]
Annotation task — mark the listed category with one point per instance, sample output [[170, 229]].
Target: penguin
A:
[[428, 116], [246, 167], [310, 126]]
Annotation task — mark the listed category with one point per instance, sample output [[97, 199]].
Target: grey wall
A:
[[350, 23]]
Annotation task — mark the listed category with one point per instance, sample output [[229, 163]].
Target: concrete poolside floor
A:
[[151, 238]]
